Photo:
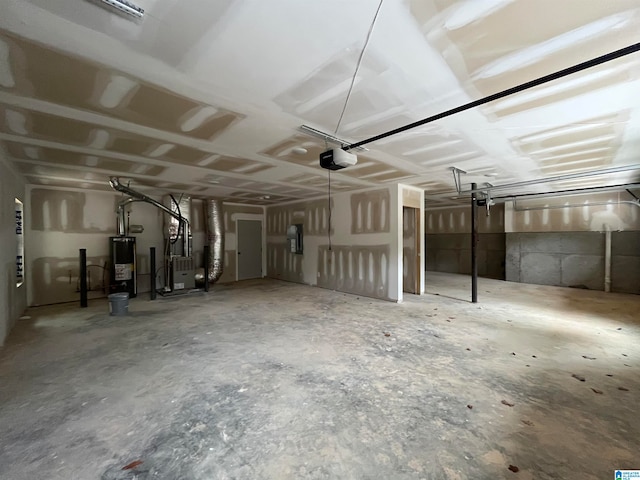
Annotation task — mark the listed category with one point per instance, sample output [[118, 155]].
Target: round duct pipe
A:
[[177, 224], [214, 226]]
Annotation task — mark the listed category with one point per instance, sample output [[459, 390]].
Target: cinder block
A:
[[492, 241], [540, 242], [625, 243], [540, 268], [482, 263], [582, 243], [447, 261], [625, 274], [583, 271], [430, 258], [456, 241], [569, 243], [495, 265], [464, 265], [512, 257]]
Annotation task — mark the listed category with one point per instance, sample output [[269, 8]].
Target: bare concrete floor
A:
[[273, 380]]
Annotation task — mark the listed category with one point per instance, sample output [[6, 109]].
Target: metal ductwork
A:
[[116, 185], [141, 197], [180, 205], [214, 226], [176, 225]]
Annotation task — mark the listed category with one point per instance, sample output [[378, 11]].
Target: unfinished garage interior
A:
[[366, 239]]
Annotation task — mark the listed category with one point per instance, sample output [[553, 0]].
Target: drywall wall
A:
[[13, 298], [578, 213], [449, 241], [61, 221], [566, 246], [363, 254]]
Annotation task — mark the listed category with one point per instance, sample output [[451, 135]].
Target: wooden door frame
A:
[[417, 244]]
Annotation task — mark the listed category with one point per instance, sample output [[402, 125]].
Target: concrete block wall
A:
[[566, 246], [448, 242], [625, 262], [574, 259], [451, 253], [567, 259]]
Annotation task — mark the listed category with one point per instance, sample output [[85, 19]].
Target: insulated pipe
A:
[[607, 259], [214, 225]]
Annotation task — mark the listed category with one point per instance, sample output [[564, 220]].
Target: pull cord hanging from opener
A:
[[344, 107]]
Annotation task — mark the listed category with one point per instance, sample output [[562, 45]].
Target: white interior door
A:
[[249, 251]]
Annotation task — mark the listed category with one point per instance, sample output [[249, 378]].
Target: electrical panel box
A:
[[294, 238]]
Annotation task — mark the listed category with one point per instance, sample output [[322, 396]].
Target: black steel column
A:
[[205, 254], [152, 273], [474, 245], [83, 278]]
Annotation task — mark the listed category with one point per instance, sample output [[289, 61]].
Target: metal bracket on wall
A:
[[486, 198]]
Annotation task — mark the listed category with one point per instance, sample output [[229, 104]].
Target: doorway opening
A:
[[411, 268]]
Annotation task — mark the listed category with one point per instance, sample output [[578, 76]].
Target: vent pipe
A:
[[137, 196], [176, 226], [214, 225]]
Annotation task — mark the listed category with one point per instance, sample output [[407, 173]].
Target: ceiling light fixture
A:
[[126, 7], [327, 137]]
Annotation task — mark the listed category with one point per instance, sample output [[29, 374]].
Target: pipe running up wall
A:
[[607, 259], [214, 226], [138, 196], [176, 225]]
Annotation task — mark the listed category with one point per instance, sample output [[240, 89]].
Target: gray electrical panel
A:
[[294, 238]]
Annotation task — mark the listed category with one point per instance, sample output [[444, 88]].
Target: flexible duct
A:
[[214, 225]]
